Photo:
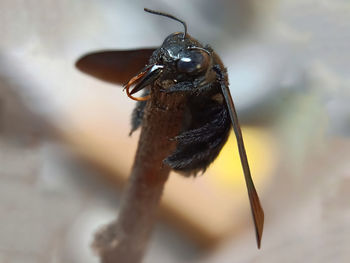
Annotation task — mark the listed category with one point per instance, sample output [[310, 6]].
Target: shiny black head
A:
[[184, 57], [180, 58], [181, 54]]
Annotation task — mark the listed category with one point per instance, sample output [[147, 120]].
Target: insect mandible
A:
[[197, 71]]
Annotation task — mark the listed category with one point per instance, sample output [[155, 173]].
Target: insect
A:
[[195, 70]]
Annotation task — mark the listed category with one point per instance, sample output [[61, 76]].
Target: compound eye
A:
[[193, 62]]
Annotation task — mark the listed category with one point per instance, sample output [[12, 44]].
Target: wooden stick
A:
[[125, 240]]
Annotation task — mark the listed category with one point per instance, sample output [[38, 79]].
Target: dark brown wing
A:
[[115, 66], [257, 211]]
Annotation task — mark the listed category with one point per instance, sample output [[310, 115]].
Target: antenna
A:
[[169, 16]]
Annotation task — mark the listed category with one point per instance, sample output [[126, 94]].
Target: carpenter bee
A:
[[195, 70]]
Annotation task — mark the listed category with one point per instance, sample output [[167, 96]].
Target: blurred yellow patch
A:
[[227, 170]]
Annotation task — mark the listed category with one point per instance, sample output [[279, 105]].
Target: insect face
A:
[[184, 55], [180, 59]]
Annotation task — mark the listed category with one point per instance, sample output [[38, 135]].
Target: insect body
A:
[[198, 72], [206, 124]]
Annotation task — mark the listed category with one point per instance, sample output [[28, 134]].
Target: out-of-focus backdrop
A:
[[65, 152]]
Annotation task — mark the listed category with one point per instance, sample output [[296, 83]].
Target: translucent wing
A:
[[114, 66], [257, 211]]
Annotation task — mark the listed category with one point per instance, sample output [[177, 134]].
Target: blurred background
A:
[[65, 152]]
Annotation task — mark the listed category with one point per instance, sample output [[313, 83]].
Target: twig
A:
[[125, 240]]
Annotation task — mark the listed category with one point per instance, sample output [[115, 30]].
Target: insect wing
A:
[[114, 66], [257, 211]]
